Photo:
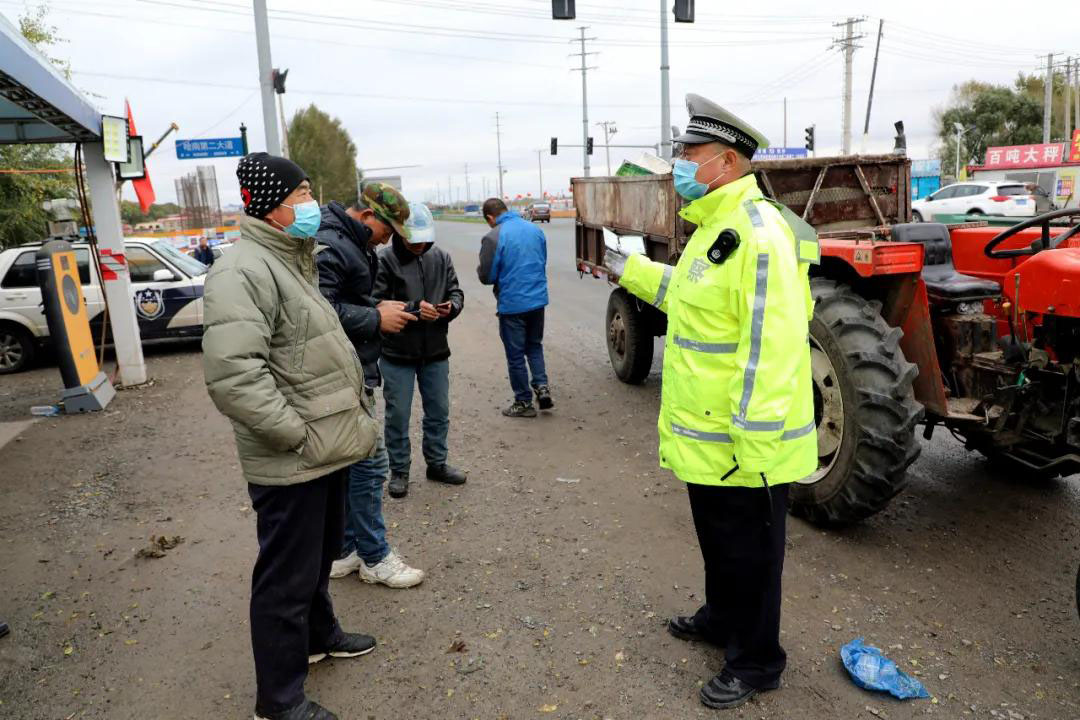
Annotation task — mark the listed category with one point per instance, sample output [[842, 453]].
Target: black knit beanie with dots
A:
[[266, 180]]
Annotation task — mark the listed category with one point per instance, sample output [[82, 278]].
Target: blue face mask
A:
[[686, 183], [306, 219]]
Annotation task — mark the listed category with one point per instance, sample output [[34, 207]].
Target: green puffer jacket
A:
[[278, 364]]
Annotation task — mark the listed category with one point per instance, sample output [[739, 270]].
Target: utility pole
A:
[[785, 122], [609, 130], [262, 43], [873, 79], [665, 89], [468, 195], [498, 146], [1048, 97], [847, 43], [584, 97], [1068, 100], [540, 167], [284, 127], [1076, 97]]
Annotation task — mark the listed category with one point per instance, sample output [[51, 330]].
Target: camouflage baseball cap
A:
[[389, 205]]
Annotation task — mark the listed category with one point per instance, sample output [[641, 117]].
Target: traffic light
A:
[[810, 138], [684, 11], [588, 146], [278, 79], [563, 10], [554, 146]]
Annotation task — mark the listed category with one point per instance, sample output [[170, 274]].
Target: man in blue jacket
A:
[[513, 258]]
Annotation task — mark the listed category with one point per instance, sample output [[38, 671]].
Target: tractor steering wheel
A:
[[1039, 245]]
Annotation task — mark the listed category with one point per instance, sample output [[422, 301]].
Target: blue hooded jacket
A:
[[513, 258]]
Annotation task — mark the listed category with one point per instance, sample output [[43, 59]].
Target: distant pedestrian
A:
[[347, 269], [203, 253], [513, 258], [280, 367], [416, 271]]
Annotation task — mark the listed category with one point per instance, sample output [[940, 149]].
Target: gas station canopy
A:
[[37, 104]]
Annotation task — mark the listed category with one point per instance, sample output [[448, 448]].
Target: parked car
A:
[[1011, 199], [166, 285], [538, 211]]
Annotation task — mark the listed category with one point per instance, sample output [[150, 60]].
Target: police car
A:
[[167, 289]]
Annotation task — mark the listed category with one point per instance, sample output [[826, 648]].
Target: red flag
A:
[[144, 189]]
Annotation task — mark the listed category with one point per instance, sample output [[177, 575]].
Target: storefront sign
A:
[[1024, 156]]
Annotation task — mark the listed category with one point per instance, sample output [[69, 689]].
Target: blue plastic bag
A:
[[873, 671]]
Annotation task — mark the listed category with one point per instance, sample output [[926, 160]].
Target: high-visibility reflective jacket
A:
[[737, 383]]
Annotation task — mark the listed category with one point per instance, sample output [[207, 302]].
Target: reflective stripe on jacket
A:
[[737, 386]]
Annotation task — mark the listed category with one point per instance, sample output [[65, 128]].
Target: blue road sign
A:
[[780, 153], [209, 148]]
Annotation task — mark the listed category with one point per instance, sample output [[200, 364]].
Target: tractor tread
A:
[[883, 419]]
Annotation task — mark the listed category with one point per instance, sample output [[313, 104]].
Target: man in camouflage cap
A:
[[347, 268], [388, 206]]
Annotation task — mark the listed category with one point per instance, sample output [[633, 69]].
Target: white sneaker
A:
[[348, 564], [391, 572]]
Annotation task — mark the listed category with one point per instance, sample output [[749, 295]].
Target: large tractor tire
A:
[[629, 338], [864, 407]]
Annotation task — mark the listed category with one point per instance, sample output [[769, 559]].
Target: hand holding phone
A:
[[444, 308]]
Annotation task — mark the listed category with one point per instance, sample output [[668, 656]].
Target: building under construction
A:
[[197, 195]]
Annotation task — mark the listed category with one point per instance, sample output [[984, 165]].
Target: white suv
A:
[[167, 287], [1012, 199]]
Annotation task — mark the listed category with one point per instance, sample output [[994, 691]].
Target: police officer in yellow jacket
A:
[[737, 411]]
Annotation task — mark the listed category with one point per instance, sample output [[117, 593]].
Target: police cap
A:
[[711, 123]]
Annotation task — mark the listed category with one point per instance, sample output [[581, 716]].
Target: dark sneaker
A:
[[520, 409], [306, 710], [351, 645], [445, 474], [543, 397], [399, 484], [726, 691]]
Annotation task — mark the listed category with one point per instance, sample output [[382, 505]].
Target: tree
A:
[[321, 146], [22, 218], [994, 115]]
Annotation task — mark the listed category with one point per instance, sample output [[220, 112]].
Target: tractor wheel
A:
[[629, 338], [864, 407]]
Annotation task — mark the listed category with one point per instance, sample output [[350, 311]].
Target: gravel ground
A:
[[550, 574]]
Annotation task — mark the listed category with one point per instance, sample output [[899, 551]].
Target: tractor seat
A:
[[940, 275]]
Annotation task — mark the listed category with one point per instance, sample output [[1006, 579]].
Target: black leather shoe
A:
[[688, 627], [399, 484], [306, 710], [726, 691], [349, 646], [445, 474]]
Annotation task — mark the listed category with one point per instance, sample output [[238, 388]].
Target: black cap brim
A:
[[690, 138]]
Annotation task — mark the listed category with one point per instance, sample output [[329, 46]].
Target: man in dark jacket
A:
[[416, 272], [347, 268], [513, 258], [203, 253]]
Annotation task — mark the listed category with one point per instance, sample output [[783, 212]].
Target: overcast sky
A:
[[418, 82]]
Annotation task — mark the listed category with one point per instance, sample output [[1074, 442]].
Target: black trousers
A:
[[744, 559], [300, 531]]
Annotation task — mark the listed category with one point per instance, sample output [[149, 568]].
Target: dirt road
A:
[[555, 566]]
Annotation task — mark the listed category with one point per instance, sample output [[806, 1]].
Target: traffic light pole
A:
[[262, 43], [665, 87]]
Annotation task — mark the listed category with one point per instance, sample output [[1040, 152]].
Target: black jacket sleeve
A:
[[454, 293], [487, 257], [361, 322], [383, 280]]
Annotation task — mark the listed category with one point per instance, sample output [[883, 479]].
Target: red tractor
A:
[[969, 328]]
